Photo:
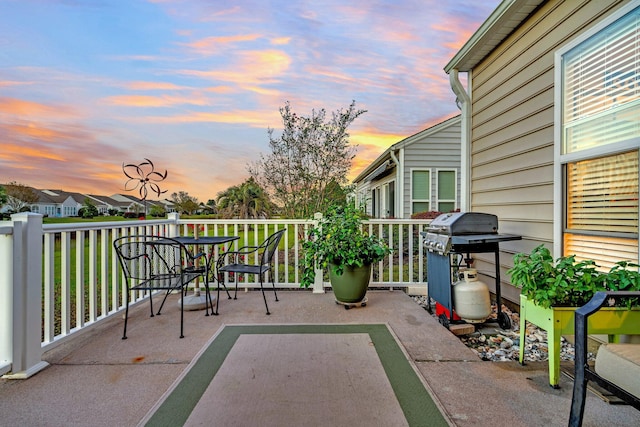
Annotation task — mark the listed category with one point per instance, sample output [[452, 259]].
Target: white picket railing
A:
[[79, 283]]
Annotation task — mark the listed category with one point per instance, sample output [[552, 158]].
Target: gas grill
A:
[[450, 240]]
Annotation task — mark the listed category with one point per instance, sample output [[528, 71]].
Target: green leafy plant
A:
[[564, 282], [340, 240]]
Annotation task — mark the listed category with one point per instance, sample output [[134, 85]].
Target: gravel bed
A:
[[497, 345]]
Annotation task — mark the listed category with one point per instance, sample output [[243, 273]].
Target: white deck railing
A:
[[67, 279]]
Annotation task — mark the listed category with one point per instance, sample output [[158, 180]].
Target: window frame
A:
[[428, 200]]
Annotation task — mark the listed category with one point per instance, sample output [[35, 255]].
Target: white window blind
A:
[[602, 194], [601, 87], [605, 251]]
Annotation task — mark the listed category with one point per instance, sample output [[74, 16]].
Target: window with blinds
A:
[[600, 95], [601, 87], [602, 194], [420, 191]]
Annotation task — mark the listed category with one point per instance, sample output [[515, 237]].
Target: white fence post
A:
[[27, 296], [6, 292], [174, 227], [318, 283]]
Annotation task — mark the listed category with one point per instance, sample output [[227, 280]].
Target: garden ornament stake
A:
[[143, 177]]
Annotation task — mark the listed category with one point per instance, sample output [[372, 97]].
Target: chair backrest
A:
[[142, 256], [271, 246]]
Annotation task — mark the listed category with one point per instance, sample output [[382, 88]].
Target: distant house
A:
[[105, 204], [420, 173], [550, 127], [58, 203]]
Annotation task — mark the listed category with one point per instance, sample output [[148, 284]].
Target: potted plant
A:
[[340, 244], [551, 290]]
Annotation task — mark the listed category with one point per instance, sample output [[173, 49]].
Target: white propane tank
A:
[[471, 297]]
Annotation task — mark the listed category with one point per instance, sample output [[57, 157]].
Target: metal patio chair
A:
[[239, 263], [152, 263]]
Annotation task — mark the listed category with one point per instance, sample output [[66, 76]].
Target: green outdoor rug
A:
[[314, 375]]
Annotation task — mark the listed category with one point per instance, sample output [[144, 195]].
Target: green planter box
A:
[[558, 321]]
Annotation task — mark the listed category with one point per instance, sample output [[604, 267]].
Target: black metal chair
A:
[[239, 263], [152, 263], [583, 371]]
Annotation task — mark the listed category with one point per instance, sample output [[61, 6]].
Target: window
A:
[[599, 140], [391, 199], [447, 188], [374, 202], [420, 191]]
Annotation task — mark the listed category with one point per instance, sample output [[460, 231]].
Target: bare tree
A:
[[307, 161], [20, 196]]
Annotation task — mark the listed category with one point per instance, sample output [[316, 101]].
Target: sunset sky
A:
[[193, 85]]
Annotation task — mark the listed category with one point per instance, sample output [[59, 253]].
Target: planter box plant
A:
[[551, 291], [339, 243]]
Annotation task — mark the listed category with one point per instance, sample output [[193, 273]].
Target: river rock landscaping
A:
[[491, 343]]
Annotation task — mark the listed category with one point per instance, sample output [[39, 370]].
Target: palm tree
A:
[[247, 200]]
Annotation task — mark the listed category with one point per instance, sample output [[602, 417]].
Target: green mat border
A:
[[415, 401]]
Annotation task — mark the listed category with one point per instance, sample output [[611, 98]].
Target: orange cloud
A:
[[11, 151], [36, 131], [253, 67], [219, 89], [153, 86], [7, 83], [154, 101], [280, 40], [250, 118], [211, 45], [19, 107]]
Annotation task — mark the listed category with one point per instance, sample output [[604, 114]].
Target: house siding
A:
[[435, 148], [512, 148], [440, 150]]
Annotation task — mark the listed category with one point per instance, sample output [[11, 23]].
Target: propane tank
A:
[[471, 296]]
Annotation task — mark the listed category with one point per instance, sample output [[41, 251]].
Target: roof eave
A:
[[505, 18]]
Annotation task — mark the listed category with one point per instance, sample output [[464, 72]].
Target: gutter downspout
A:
[[399, 186], [465, 147]]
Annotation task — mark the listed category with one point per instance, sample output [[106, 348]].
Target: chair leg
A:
[[263, 296], [181, 315], [226, 290], [126, 317], [207, 299], [164, 299], [218, 297], [578, 399], [273, 284], [151, 303]]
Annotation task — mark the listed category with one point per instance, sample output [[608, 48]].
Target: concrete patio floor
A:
[[98, 379]]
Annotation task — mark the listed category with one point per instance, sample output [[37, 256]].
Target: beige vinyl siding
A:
[[512, 150]]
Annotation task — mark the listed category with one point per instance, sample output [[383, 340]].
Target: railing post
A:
[[318, 284], [174, 228], [26, 315], [6, 291]]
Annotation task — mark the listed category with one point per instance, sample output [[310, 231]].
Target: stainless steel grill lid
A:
[[457, 223], [460, 228]]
